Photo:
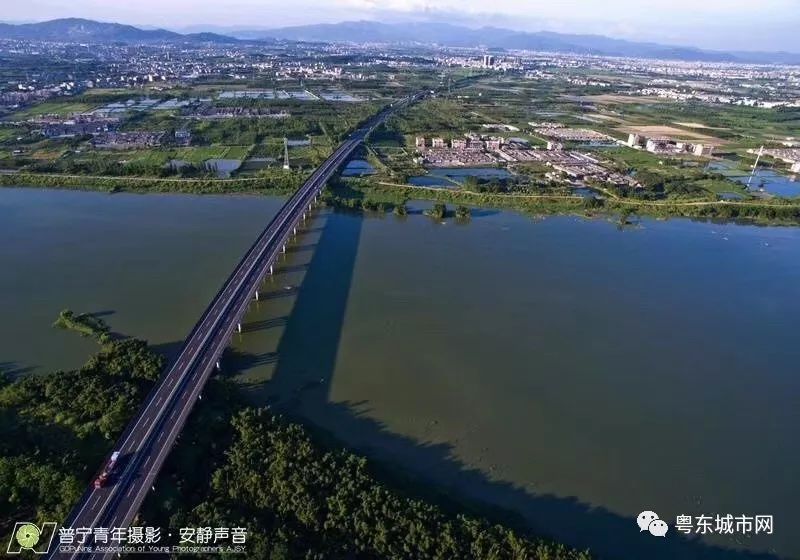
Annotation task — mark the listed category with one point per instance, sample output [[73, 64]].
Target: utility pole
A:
[[755, 166]]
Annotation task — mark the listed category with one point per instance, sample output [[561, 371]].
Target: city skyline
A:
[[715, 24]]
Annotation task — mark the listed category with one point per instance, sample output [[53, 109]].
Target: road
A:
[[151, 434]]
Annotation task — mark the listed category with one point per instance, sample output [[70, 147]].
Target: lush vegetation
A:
[[269, 181], [300, 500], [324, 124], [234, 466], [770, 212], [367, 195], [438, 211], [347, 194], [673, 186], [56, 428], [84, 323]]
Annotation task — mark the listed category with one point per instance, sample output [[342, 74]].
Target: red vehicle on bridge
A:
[[108, 470]]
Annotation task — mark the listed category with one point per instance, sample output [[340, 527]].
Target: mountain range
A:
[[74, 30], [499, 38], [420, 33]]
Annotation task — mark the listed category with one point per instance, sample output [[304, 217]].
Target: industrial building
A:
[[667, 145]]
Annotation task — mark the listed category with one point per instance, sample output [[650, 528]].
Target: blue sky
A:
[[722, 24]]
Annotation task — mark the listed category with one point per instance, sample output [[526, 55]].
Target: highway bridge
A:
[[149, 437]]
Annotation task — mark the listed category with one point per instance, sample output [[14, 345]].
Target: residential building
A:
[[634, 140], [703, 150], [494, 144]]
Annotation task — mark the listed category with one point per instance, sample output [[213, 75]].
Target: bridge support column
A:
[[270, 271], [283, 249], [295, 231], [239, 327], [219, 367]]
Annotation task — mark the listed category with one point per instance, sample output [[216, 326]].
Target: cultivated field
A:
[[54, 108], [691, 124], [621, 99], [671, 132]]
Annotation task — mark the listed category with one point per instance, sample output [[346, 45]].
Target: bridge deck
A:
[[149, 437]]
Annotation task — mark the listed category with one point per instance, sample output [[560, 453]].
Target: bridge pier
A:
[[154, 444], [295, 230]]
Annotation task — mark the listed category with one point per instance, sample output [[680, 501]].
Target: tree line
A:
[[302, 500], [234, 466], [56, 428]]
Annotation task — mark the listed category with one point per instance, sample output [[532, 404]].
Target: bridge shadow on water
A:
[[300, 387], [264, 324]]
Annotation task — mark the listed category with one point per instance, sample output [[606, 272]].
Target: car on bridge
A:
[[104, 477]]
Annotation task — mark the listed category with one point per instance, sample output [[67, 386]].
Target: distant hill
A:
[[493, 37], [84, 30], [87, 31]]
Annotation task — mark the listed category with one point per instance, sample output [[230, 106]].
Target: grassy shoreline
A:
[[778, 212], [254, 185], [235, 465], [85, 324], [380, 195]]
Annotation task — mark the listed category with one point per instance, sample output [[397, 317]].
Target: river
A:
[[565, 369]]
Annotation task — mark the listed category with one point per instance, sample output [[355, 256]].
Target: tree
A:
[[438, 211], [311, 502]]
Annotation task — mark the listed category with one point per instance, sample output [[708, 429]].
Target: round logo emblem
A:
[[28, 535]]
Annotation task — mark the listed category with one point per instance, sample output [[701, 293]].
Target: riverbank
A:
[[371, 195], [365, 285], [84, 324], [259, 470], [385, 196], [245, 185], [298, 496]]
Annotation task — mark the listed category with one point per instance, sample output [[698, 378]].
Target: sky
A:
[[713, 24]]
